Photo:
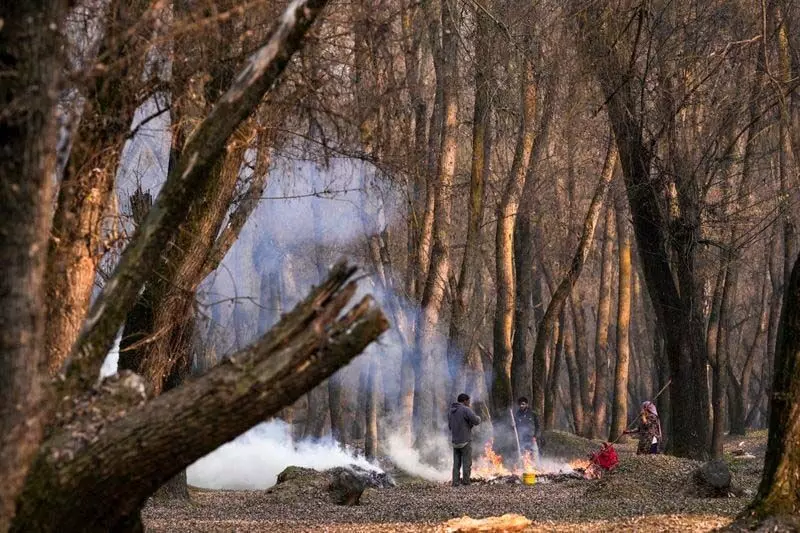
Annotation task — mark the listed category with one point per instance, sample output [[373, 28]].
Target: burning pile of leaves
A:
[[490, 468]]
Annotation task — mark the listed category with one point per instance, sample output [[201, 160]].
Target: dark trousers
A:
[[462, 462]]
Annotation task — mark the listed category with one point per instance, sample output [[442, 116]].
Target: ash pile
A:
[[342, 485]]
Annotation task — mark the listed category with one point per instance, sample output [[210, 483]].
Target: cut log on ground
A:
[[507, 522]]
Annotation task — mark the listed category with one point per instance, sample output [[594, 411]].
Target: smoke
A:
[[254, 459], [310, 216], [410, 460]]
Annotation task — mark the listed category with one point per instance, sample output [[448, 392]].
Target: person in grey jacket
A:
[[461, 420]]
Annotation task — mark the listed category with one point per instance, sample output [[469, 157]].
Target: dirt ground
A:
[[646, 493]]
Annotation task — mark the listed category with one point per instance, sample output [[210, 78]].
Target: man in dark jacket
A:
[[461, 420], [527, 425]]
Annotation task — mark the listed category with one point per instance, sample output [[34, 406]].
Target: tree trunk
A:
[[574, 377], [461, 338], [619, 413], [720, 362], [675, 304], [30, 73], [779, 492], [142, 446], [601, 365], [546, 326], [89, 176], [739, 422], [735, 398], [425, 400], [528, 296], [504, 248], [371, 409], [582, 360], [412, 53], [554, 373]]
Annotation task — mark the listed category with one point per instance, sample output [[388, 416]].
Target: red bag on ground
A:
[[606, 457]]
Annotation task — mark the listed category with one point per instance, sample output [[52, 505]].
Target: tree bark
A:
[[527, 297], [30, 74], [546, 326], [720, 361], [582, 361], [371, 409], [574, 377], [133, 455], [601, 365], [779, 492], [619, 413], [554, 372], [412, 40]]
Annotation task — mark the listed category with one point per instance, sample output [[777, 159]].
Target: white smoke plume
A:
[[254, 460], [410, 460]]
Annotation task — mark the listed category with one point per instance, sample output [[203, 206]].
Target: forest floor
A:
[[645, 493]]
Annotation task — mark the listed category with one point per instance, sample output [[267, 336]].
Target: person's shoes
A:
[[456, 483], [466, 483]]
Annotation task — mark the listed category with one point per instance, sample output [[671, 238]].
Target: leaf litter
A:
[[645, 493]]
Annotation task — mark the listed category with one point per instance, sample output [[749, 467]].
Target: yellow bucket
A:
[[529, 478]]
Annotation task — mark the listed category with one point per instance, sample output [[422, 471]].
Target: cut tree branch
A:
[[128, 459]]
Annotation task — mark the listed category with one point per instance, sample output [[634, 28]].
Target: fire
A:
[[490, 464], [577, 464]]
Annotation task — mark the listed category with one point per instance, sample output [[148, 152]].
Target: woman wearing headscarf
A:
[[648, 427]]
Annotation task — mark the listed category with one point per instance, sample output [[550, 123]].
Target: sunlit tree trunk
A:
[[527, 299], [504, 247], [89, 176], [601, 351], [619, 413]]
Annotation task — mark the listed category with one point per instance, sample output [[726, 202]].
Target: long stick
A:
[[635, 421], [516, 434]]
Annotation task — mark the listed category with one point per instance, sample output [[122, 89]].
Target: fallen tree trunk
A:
[[126, 460]]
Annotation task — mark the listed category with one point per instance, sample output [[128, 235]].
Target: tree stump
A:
[[712, 480]]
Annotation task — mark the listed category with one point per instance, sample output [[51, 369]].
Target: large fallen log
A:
[[90, 474]]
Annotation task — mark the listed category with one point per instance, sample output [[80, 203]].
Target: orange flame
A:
[[579, 463], [490, 464]]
